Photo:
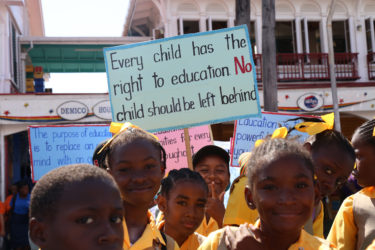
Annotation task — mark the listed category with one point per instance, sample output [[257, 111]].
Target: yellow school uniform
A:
[[191, 243], [151, 238], [206, 228], [306, 241], [237, 211], [354, 225]]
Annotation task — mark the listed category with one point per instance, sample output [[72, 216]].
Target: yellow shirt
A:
[[150, 238], [206, 228], [344, 229], [237, 211], [305, 241], [191, 243]]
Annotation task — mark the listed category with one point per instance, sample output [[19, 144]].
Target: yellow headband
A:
[[281, 133], [313, 128], [373, 131], [117, 128]]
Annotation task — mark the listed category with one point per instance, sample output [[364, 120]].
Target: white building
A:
[[302, 48]]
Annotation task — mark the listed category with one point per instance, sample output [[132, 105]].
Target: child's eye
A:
[[116, 219], [202, 205], [270, 187], [182, 203], [85, 220], [150, 166], [328, 171], [301, 185]]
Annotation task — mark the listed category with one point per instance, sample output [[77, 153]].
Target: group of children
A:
[[274, 204]]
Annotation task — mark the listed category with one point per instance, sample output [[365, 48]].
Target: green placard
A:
[[183, 81]]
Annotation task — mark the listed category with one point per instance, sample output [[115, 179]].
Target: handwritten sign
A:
[[248, 131], [183, 81], [174, 144], [54, 146]]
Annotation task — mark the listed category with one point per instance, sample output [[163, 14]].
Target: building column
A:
[[360, 38], [352, 35], [231, 22], [323, 34], [299, 34], [258, 34], [202, 22]]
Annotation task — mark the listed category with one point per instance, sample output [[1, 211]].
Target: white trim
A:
[[307, 42], [299, 35]]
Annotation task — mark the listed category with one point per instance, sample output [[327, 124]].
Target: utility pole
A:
[[243, 13], [269, 56], [331, 59]]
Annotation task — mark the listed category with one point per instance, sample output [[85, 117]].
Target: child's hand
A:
[[244, 238], [215, 206]]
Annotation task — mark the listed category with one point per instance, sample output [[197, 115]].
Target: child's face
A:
[[214, 170], [365, 161], [332, 168], [137, 170], [89, 216], [183, 208], [283, 192]]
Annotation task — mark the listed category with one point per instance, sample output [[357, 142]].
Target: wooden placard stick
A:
[[188, 148]]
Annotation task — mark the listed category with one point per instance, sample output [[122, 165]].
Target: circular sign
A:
[[72, 110], [310, 102], [102, 110]]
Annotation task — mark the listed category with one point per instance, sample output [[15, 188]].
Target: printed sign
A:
[[174, 144], [310, 102], [54, 146], [248, 131], [183, 81]]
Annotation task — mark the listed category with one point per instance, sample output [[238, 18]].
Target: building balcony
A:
[[313, 67]]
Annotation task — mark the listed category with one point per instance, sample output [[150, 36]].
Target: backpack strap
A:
[[170, 243]]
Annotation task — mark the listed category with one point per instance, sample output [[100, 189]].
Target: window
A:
[[14, 56], [285, 33], [187, 26], [370, 34], [312, 43], [341, 36]]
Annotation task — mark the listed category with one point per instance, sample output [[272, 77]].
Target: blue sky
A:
[[82, 18]]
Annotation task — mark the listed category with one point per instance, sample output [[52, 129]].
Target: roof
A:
[[71, 54]]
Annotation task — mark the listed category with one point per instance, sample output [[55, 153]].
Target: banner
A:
[[54, 146], [183, 81], [248, 131]]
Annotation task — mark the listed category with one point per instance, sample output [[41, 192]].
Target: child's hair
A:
[[210, 150], [49, 189], [183, 174], [98, 159], [331, 137], [131, 135], [327, 137], [365, 132], [273, 149]]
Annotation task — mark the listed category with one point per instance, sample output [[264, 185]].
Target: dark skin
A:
[[365, 161], [284, 200], [138, 171], [215, 172]]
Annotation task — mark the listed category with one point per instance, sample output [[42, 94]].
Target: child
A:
[[136, 160], [354, 225], [212, 162], [76, 207], [281, 186], [182, 200]]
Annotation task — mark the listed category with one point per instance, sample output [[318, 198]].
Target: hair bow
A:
[[313, 128], [281, 133], [117, 128]]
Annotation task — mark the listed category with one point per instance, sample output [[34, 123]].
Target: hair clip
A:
[[280, 133], [313, 128], [117, 128]]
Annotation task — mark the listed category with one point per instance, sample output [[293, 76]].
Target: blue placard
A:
[[183, 81], [55, 146], [248, 131]]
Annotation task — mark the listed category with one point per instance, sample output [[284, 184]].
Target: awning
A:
[[71, 54]]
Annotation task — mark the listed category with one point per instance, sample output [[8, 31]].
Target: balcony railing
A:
[[371, 65], [312, 66]]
